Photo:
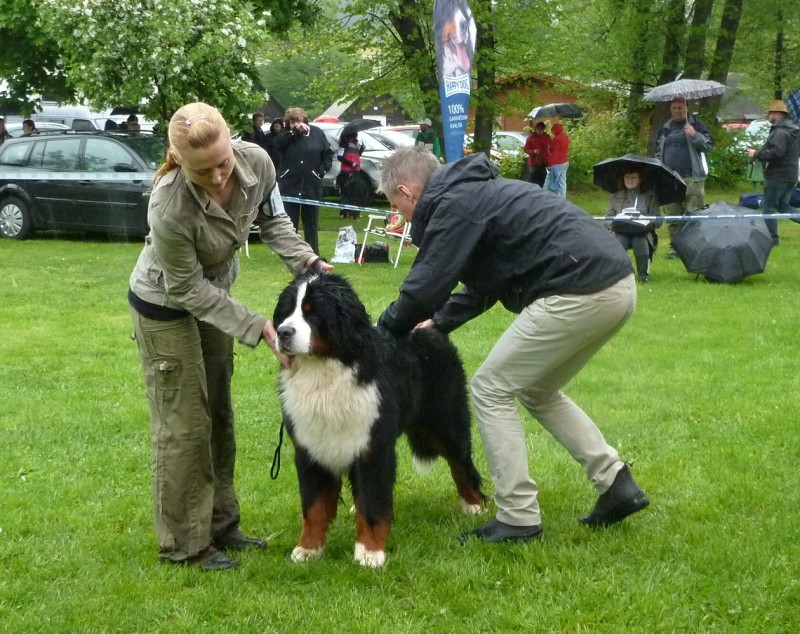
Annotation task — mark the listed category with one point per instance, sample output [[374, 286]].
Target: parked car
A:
[[375, 153], [15, 129], [78, 181], [410, 130], [392, 138]]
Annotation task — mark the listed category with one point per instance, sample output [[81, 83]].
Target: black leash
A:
[[276, 457]]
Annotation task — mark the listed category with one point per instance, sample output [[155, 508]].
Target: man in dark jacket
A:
[[570, 282], [681, 145], [306, 156], [779, 154]]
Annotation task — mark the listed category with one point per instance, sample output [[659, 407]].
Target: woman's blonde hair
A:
[[194, 125]]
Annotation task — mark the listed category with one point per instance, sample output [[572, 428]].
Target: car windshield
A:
[[151, 148]]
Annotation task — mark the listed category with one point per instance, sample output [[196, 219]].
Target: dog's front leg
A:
[[319, 494]]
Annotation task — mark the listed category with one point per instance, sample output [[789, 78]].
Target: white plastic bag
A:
[[345, 251]]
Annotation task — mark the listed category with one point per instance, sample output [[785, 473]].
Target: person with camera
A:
[[306, 156]]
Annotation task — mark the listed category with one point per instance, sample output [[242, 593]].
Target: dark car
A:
[[77, 181]]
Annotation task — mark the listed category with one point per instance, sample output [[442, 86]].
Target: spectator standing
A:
[[3, 132], [558, 162], [275, 129], [428, 138], [207, 195], [306, 156], [256, 134], [779, 155], [681, 145], [351, 182], [29, 128], [537, 147], [573, 289]]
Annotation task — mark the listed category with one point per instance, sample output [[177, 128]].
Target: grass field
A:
[[698, 391]]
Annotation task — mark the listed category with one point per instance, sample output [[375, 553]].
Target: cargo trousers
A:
[[188, 368]]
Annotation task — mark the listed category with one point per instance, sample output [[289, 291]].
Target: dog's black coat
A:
[[420, 386]]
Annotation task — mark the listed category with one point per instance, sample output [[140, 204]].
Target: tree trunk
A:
[[696, 40], [779, 57], [721, 62], [670, 64], [485, 60]]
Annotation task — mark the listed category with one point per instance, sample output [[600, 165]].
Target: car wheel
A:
[[15, 219]]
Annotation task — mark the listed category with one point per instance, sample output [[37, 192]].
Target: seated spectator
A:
[[637, 235]]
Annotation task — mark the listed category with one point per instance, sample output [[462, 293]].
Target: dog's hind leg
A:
[[468, 484]]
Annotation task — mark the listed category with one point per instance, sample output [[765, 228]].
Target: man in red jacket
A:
[[537, 147], [558, 162]]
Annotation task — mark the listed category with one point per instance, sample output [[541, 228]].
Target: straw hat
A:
[[778, 106]]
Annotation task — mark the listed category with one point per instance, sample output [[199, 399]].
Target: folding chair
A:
[[376, 227]]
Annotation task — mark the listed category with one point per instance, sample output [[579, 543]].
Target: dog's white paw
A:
[[369, 558], [304, 554], [470, 509]]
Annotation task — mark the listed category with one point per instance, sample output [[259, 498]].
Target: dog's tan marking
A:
[[316, 521], [371, 542]]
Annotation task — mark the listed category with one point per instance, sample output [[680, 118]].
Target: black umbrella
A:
[[551, 110], [722, 245], [354, 127], [668, 184]]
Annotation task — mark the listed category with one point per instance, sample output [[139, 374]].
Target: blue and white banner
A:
[[454, 32]]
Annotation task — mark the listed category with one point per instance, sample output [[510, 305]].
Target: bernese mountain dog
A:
[[348, 392]]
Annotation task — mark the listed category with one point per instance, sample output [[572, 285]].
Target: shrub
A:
[[593, 138]]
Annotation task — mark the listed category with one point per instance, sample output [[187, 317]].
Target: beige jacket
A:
[[189, 260]]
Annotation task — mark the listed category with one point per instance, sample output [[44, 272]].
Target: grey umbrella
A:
[[551, 110], [722, 245], [667, 183], [686, 88]]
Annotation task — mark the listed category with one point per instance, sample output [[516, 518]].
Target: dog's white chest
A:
[[332, 414]]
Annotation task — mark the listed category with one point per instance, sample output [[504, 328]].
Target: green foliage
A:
[[593, 138], [699, 389], [728, 163]]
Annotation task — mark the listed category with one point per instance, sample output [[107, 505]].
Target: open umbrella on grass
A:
[[721, 245]]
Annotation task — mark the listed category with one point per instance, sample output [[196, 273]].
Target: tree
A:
[[29, 58], [166, 53]]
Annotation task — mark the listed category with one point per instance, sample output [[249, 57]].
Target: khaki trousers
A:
[[539, 353], [695, 198], [188, 367]]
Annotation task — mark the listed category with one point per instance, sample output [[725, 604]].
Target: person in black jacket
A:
[[571, 284], [779, 154], [306, 156]]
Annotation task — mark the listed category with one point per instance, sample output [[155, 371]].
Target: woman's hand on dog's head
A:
[[269, 334]]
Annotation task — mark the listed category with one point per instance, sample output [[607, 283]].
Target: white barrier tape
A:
[[325, 203], [791, 216], [31, 175]]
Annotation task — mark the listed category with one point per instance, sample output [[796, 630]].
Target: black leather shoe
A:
[[497, 531], [218, 562], [644, 278], [622, 499], [208, 560], [238, 542]]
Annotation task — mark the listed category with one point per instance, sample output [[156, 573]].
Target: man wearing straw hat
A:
[[779, 154]]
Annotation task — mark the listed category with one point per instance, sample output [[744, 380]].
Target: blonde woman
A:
[[207, 194]]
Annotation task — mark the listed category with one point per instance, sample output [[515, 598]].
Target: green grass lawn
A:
[[698, 391]]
